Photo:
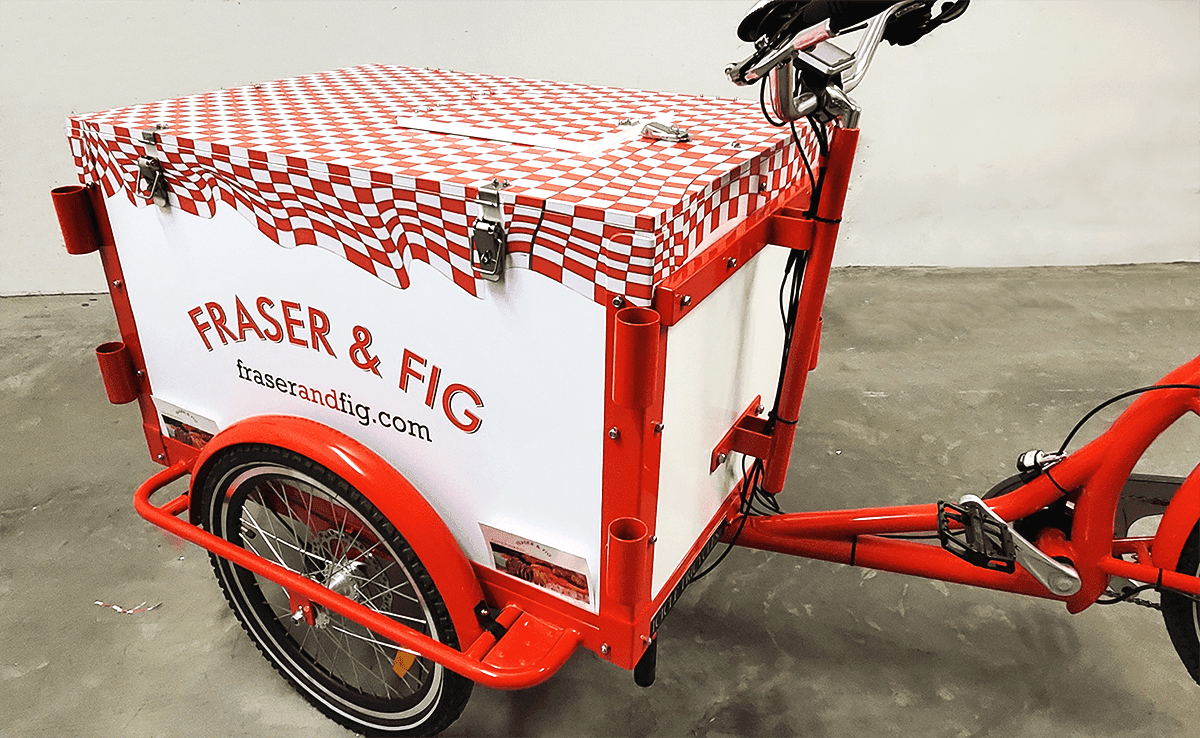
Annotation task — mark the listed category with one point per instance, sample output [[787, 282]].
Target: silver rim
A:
[[296, 522], [1196, 609]]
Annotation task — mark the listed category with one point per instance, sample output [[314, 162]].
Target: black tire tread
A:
[[1179, 611], [456, 690]]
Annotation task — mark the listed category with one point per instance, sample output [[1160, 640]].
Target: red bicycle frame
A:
[[1093, 477]]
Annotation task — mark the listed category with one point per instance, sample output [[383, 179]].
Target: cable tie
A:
[[773, 416], [819, 219]]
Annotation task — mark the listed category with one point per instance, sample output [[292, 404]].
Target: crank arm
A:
[[1059, 578]]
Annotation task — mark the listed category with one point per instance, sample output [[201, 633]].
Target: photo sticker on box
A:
[[183, 425], [556, 571]]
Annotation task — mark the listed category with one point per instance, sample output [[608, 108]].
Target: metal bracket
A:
[[659, 131], [489, 243], [151, 182]]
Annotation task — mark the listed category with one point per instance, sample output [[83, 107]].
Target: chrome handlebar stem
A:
[[809, 50]]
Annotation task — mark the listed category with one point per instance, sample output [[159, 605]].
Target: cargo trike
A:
[[469, 372]]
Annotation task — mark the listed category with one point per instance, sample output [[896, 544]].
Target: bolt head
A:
[[722, 458], [618, 301], [613, 433], [731, 263], [604, 649], [685, 300]]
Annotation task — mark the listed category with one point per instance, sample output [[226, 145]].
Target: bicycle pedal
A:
[[982, 541]]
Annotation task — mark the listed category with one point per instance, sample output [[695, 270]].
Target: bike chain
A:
[[1145, 603]]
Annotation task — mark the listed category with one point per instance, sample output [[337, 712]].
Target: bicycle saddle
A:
[[774, 19]]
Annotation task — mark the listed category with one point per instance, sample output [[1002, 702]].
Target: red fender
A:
[[380, 483], [1177, 523]]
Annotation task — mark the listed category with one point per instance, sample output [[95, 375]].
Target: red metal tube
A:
[[635, 357], [1151, 575], [497, 677], [812, 298], [116, 368], [627, 574], [76, 219]]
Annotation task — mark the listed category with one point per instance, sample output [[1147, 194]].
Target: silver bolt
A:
[[117, 283], [618, 301], [731, 263], [722, 457], [653, 540], [604, 649], [613, 433], [685, 300], [161, 457], [658, 427]]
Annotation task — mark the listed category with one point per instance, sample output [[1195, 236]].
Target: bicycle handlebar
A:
[[790, 34]]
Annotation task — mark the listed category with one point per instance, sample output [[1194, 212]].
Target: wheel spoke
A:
[[266, 539], [295, 518]]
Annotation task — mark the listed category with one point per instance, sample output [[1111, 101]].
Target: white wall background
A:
[[1027, 132]]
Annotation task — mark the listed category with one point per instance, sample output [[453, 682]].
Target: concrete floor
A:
[[930, 384]]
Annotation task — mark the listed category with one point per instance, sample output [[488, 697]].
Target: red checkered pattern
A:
[[352, 161]]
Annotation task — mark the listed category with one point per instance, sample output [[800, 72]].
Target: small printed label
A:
[[183, 425], [556, 571]]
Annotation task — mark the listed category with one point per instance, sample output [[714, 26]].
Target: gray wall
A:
[[1033, 132]]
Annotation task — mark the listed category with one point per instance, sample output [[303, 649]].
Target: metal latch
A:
[[489, 243], [151, 182], [665, 132]]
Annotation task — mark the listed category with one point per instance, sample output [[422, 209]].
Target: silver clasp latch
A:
[[151, 182], [489, 243], [665, 132]]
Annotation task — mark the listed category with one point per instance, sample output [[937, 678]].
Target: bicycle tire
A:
[[1182, 614], [299, 514]]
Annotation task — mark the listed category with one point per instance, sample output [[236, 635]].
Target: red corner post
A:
[[812, 297]]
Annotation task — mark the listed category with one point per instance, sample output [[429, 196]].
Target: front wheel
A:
[[298, 514], [1181, 613]]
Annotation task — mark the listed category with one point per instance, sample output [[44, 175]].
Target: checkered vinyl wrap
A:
[[358, 161]]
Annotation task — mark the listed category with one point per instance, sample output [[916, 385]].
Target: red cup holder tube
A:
[[627, 574], [635, 357], [76, 219], [116, 367]]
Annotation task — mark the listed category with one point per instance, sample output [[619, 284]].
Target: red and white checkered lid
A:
[[384, 164]]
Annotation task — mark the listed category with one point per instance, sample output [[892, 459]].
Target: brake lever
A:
[[769, 55]]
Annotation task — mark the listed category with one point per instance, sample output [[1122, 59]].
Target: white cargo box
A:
[[318, 250]]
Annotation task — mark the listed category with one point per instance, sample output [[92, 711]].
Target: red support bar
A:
[[1151, 575], [745, 437], [812, 298], [885, 554], [538, 651]]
